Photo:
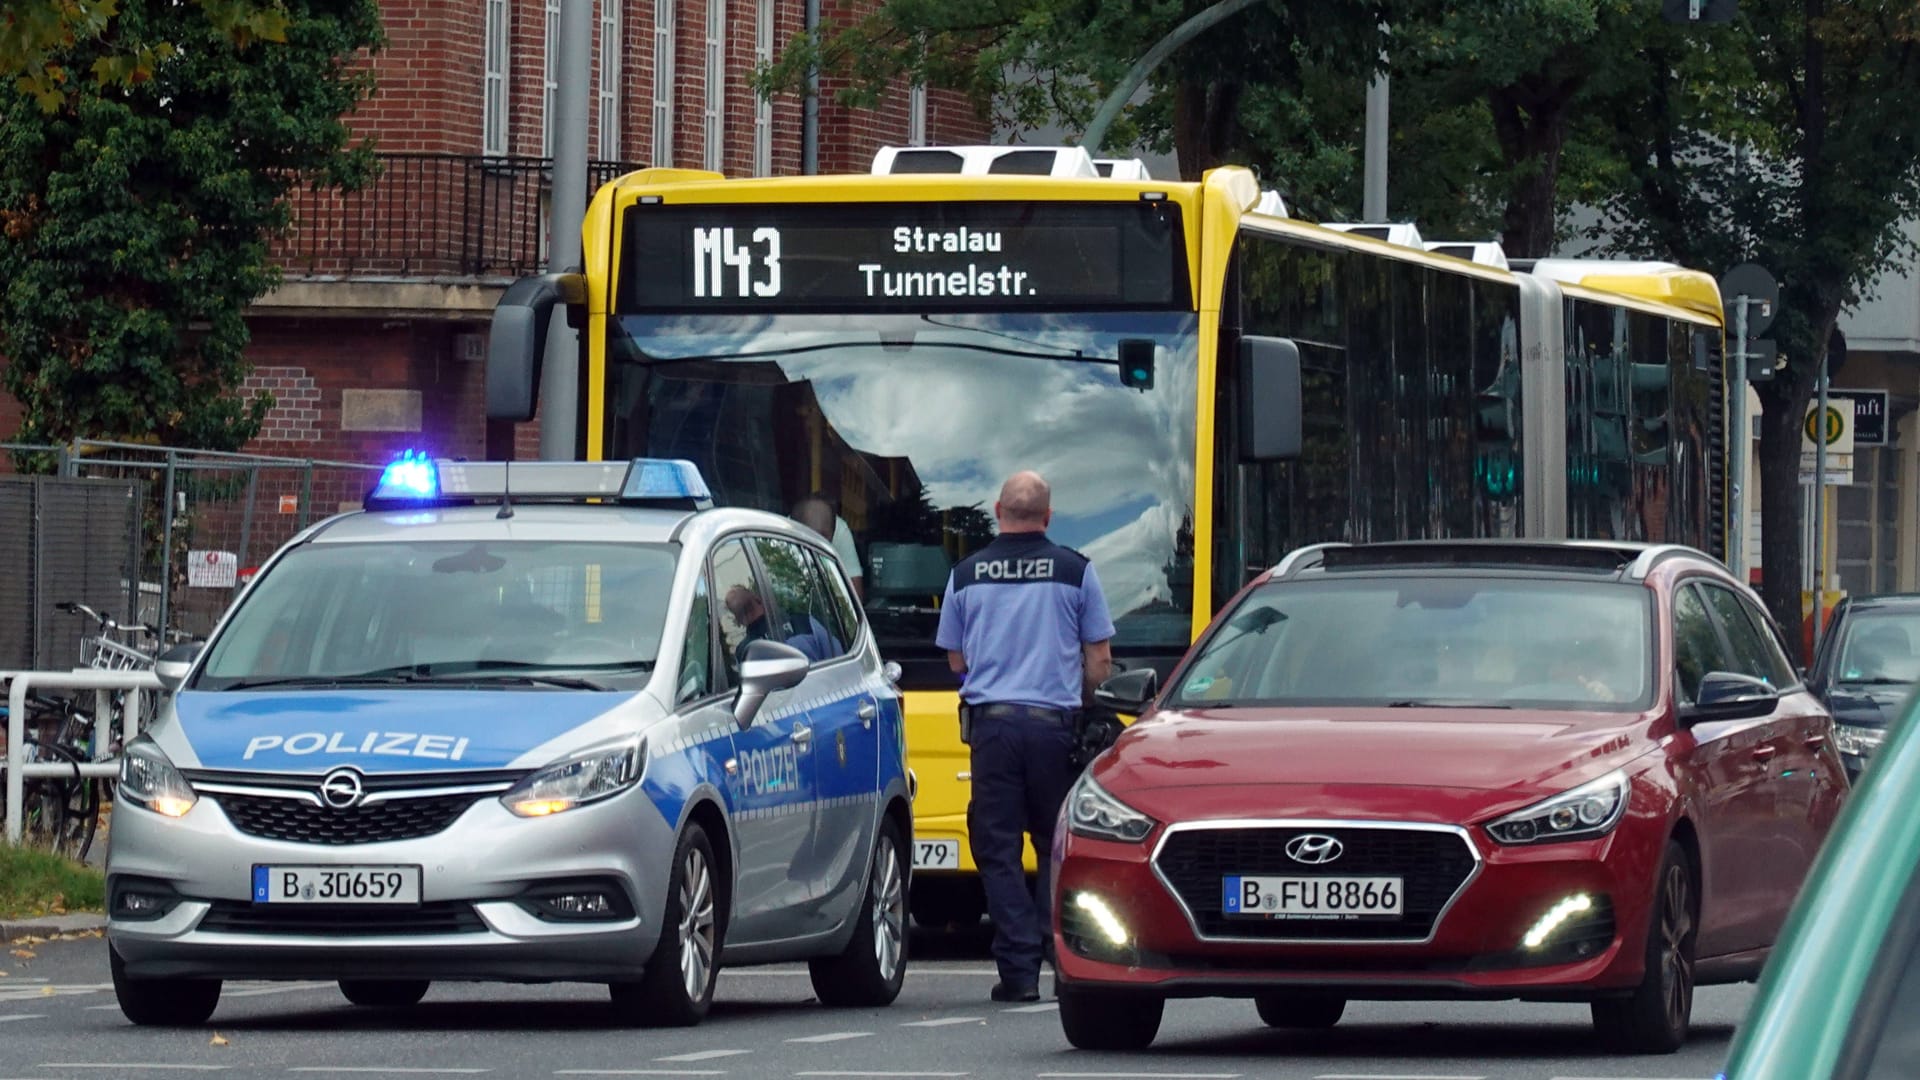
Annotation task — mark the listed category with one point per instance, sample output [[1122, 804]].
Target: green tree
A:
[[135, 220], [36, 36], [1809, 170]]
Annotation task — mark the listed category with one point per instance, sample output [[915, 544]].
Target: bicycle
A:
[[60, 814]]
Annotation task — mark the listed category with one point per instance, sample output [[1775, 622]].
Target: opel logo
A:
[[1314, 849], [341, 790]]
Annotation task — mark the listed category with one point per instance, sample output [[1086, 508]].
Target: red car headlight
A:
[[1590, 810]]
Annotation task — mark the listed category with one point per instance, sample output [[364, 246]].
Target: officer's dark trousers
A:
[[1021, 774]]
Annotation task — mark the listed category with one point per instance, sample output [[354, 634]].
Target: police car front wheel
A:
[[677, 988], [162, 1002], [384, 993]]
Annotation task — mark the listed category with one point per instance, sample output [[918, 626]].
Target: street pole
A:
[[1096, 135], [1374, 187], [1820, 505], [560, 372], [1737, 442]]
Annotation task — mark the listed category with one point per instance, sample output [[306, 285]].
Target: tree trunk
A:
[[1206, 124], [1781, 426], [1530, 120]]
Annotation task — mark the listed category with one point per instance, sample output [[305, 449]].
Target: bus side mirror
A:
[[1270, 405], [518, 340]]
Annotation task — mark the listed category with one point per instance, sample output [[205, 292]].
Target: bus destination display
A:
[[903, 256]]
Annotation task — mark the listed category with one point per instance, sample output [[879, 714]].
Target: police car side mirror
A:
[[768, 668], [172, 666], [1129, 692]]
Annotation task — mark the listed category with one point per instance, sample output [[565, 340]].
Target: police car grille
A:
[[302, 822], [439, 917], [1432, 866]]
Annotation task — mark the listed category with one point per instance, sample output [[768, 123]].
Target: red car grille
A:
[[1432, 864]]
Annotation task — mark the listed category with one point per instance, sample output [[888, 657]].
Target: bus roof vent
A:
[[1271, 204], [1402, 234], [1122, 168], [1064, 161], [1484, 252], [1574, 271]]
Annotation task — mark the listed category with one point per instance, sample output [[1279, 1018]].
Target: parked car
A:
[[1868, 662], [1841, 993], [1544, 771]]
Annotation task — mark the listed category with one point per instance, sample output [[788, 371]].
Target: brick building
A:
[[376, 340]]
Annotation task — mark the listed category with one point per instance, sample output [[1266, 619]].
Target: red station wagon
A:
[[1485, 769]]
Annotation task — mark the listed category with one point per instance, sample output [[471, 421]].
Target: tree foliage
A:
[[135, 219], [1808, 167], [36, 36]]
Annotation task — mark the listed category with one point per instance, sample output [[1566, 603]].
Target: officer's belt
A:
[[1004, 711]]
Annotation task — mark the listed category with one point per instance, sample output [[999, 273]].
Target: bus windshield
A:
[[907, 425]]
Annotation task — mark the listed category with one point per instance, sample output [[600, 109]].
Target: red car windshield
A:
[[1437, 641]]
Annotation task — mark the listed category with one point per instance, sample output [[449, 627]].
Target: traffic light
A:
[[1136, 363]]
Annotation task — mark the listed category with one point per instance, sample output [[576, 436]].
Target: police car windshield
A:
[[907, 424], [1438, 642], [518, 614]]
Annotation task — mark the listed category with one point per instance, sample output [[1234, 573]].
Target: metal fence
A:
[[63, 539], [431, 215]]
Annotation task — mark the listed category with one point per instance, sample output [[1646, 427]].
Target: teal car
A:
[[1840, 999]]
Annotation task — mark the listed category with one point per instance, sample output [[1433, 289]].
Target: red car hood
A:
[[1443, 763]]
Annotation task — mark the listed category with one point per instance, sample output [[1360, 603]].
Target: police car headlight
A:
[[149, 780], [1092, 811], [584, 778]]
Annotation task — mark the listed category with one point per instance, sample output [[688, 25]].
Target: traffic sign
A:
[[1753, 281], [1835, 428], [1869, 415], [1699, 11]]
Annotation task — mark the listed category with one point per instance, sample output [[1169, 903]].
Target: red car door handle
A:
[[1815, 742], [1764, 753]]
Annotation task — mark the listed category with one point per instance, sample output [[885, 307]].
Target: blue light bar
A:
[[411, 476], [661, 478]]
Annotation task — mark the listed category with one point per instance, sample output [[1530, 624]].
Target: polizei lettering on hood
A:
[[975, 279], [372, 744]]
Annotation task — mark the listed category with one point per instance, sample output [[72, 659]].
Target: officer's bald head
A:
[[1026, 503]]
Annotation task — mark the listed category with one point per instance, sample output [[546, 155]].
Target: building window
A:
[[716, 82], [611, 46], [663, 82], [493, 122], [917, 115], [550, 80], [763, 106]]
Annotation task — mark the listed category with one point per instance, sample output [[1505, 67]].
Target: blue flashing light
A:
[[660, 478], [411, 476]]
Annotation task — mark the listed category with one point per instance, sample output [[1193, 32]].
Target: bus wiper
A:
[[1432, 703]]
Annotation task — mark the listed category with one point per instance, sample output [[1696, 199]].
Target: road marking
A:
[[1045, 1006], [834, 1036], [385, 1069], [880, 1074], [946, 1021], [283, 988], [1396, 1076], [148, 1065], [1141, 1076], [639, 1072], [11, 1017], [704, 1055]]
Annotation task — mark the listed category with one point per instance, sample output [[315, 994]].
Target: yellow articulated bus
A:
[[1205, 382]]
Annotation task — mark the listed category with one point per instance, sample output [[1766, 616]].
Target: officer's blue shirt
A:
[[1019, 611]]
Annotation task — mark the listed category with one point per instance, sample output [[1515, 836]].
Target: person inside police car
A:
[[803, 631], [1026, 627]]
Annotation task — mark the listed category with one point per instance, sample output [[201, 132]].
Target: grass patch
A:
[[34, 883]]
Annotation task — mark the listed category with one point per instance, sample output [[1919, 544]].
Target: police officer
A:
[[1025, 625]]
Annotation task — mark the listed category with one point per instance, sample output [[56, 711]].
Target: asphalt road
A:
[[58, 1019]]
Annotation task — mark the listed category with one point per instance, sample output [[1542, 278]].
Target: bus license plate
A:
[[336, 884], [1312, 897], [936, 854]]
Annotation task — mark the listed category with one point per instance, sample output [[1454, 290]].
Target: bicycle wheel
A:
[[68, 807]]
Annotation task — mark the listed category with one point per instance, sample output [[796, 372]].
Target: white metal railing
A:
[[103, 684]]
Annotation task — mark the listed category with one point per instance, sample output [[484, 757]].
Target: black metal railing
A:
[[431, 215]]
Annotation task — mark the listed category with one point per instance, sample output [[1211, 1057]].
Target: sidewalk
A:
[[49, 926]]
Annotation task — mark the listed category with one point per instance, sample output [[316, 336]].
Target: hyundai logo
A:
[[341, 789], [1314, 849]]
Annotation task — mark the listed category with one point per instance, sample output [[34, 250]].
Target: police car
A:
[[528, 722]]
